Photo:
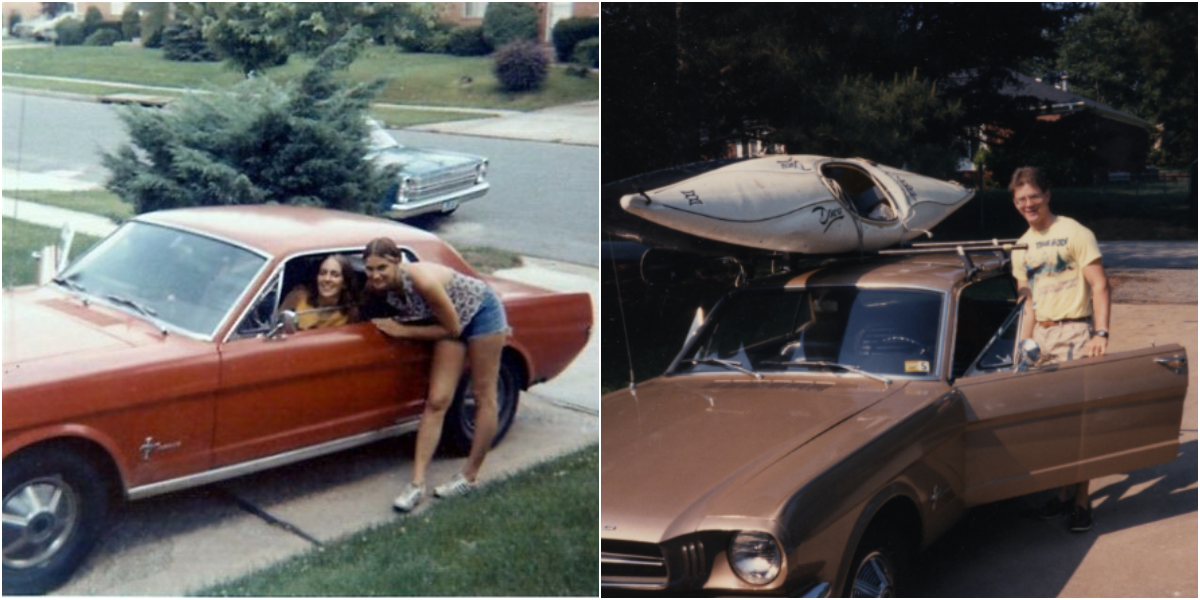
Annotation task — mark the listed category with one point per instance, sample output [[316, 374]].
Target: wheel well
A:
[[90, 451], [902, 514], [521, 366]]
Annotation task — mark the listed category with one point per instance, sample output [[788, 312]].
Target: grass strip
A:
[[424, 79], [533, 534], [22, 239], [97, 202]]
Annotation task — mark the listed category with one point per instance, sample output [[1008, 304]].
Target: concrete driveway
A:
[[174, 544]]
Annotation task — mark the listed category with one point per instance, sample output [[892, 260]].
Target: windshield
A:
[[883, 332], [174, 278]]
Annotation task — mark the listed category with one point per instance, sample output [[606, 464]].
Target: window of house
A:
[[474, 10]]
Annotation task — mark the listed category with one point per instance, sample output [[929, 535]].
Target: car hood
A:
[[672, 448], [416, 161], [42, 323]]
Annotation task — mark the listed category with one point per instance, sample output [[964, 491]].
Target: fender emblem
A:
[[610, 527]]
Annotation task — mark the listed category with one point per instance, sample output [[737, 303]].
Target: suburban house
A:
[[1123, 152], [549, 13], [459, 13]]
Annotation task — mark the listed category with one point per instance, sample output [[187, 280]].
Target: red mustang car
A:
[[157, 362]]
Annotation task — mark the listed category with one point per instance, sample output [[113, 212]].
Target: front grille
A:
[[632, 564], [442, 183]]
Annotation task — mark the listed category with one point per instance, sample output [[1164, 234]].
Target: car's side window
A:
[[984, 309]]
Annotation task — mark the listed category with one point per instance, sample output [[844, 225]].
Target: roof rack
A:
[[1002, 249]]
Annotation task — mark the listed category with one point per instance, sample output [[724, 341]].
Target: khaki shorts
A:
[[1062, 342]]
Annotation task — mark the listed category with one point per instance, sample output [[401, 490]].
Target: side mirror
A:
[[1029, 353], [284, 323]]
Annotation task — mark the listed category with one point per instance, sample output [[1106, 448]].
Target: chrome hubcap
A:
[[39, 517], [874, 577]]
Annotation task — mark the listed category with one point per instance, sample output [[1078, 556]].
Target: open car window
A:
[[1000, 353], [297, 271], [983, 308]]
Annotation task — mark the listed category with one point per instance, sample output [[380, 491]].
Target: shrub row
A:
[[568, 33]]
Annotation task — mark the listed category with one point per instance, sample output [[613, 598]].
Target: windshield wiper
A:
[[731, 364], [822, 363], [135, 305], [142, 309], [67, 283]]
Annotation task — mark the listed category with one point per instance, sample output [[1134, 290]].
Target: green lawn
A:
[[97, 202], [425, 79], [533, 534], [21, 240]]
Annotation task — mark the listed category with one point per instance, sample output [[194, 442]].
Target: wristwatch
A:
[[1102, 333]]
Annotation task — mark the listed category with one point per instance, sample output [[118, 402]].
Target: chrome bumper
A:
[[439, 204]]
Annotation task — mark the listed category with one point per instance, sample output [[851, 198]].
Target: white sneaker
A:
[[455, 487], [409, 498]]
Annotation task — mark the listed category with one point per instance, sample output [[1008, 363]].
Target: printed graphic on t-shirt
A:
[[1048, 277]]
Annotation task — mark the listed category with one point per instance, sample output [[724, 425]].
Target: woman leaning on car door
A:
[[464, 319]]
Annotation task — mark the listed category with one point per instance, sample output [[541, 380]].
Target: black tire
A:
[[458, 430], [64, 501], [882, 564]]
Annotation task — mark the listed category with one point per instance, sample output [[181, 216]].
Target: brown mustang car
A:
[[157, 362], [817, 431]]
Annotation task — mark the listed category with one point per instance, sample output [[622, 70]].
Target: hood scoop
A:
[[75, 309]]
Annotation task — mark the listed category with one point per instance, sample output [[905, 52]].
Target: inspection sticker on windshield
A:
[[916, 366]]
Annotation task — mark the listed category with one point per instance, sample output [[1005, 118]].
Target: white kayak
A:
[[800, 204]]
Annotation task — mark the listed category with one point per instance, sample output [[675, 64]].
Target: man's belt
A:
[[1053, 323]]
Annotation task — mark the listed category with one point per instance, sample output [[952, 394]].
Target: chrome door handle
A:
[[1181, 359]]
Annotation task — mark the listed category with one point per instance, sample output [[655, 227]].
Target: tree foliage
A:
[[506, 22], [1141, 59], [251, 35], [317, 25], [300, 142], [824, 75]]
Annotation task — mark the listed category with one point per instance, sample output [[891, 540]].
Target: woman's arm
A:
[[397, 329]]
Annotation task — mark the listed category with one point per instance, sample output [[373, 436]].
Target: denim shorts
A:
[[488, 320]]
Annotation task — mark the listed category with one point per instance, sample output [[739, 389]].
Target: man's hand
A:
[[1097, 346]]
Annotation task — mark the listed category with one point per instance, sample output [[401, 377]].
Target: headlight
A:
[[405, 188], [755, 557], [481, 171]]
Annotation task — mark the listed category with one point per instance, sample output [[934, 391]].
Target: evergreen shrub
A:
[[587, 53], [506, 22], [569, 32], [70, 32], [468, 41], [184, 42], [103, 37], [131, 23]]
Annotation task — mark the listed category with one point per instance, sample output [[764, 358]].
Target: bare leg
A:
[[447, 366], [1081, 494], [484, 353]]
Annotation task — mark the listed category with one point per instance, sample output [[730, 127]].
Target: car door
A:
[[1068, 422], [282, 393]]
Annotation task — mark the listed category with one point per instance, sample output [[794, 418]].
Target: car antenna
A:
[[624, 327]]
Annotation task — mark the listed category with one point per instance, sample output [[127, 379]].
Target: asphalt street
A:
[[541, 203]]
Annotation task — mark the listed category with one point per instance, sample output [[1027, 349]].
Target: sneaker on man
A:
[[409, 498], [1053, 509], [1081, 518], [455, 487]]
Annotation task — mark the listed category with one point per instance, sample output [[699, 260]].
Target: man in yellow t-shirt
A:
[[1067, 301]]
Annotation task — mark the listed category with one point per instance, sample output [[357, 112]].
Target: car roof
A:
[[942, 271], [281, 230]]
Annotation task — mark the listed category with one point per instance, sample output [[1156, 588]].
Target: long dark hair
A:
[[349, 294]]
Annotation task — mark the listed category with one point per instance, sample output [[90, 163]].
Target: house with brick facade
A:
[[1123, 152]]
